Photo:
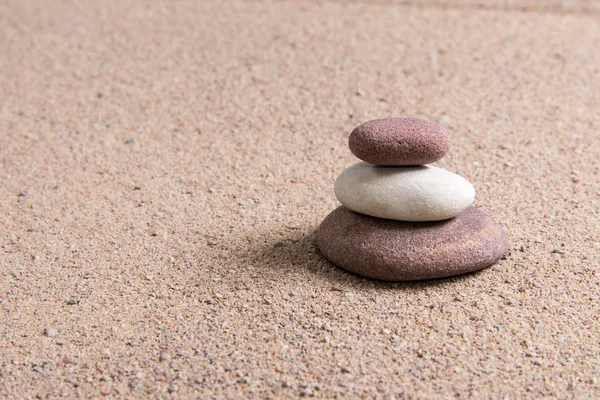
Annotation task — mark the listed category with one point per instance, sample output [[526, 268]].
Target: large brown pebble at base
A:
[[399, 141], [399, 251]]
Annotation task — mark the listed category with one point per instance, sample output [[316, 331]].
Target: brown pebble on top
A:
[[399, 141], [396, 250]]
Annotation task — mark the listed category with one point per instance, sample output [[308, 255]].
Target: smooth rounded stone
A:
[[399, 141], [398, 251], [423, 193]]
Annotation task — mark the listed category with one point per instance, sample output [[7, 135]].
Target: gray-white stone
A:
[[423, 193]]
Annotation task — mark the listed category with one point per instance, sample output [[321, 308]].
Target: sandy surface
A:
[[163, 166]]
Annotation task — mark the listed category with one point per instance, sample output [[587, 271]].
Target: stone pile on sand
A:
[[402, 219]]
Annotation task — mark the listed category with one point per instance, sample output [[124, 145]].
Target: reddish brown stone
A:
[[399, 141], [397, 251]]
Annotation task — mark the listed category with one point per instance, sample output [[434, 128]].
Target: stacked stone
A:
[[401, 219]]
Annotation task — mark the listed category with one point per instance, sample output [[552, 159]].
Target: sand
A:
[[163, 167]]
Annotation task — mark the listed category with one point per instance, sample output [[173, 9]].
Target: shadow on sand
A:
[[298, 255]]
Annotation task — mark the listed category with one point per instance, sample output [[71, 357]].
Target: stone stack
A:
[[401, 219]]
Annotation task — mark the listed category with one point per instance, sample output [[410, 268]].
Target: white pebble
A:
[[50, 332], [423, 193]]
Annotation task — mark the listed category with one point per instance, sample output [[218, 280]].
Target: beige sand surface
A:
[[163, 166]]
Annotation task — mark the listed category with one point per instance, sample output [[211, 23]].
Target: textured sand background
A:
[[163, 166]]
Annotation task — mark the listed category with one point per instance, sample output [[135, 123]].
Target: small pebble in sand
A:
[[50, 332], [164, 356]]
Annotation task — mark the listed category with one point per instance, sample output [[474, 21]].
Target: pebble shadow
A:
[[297, 254]]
